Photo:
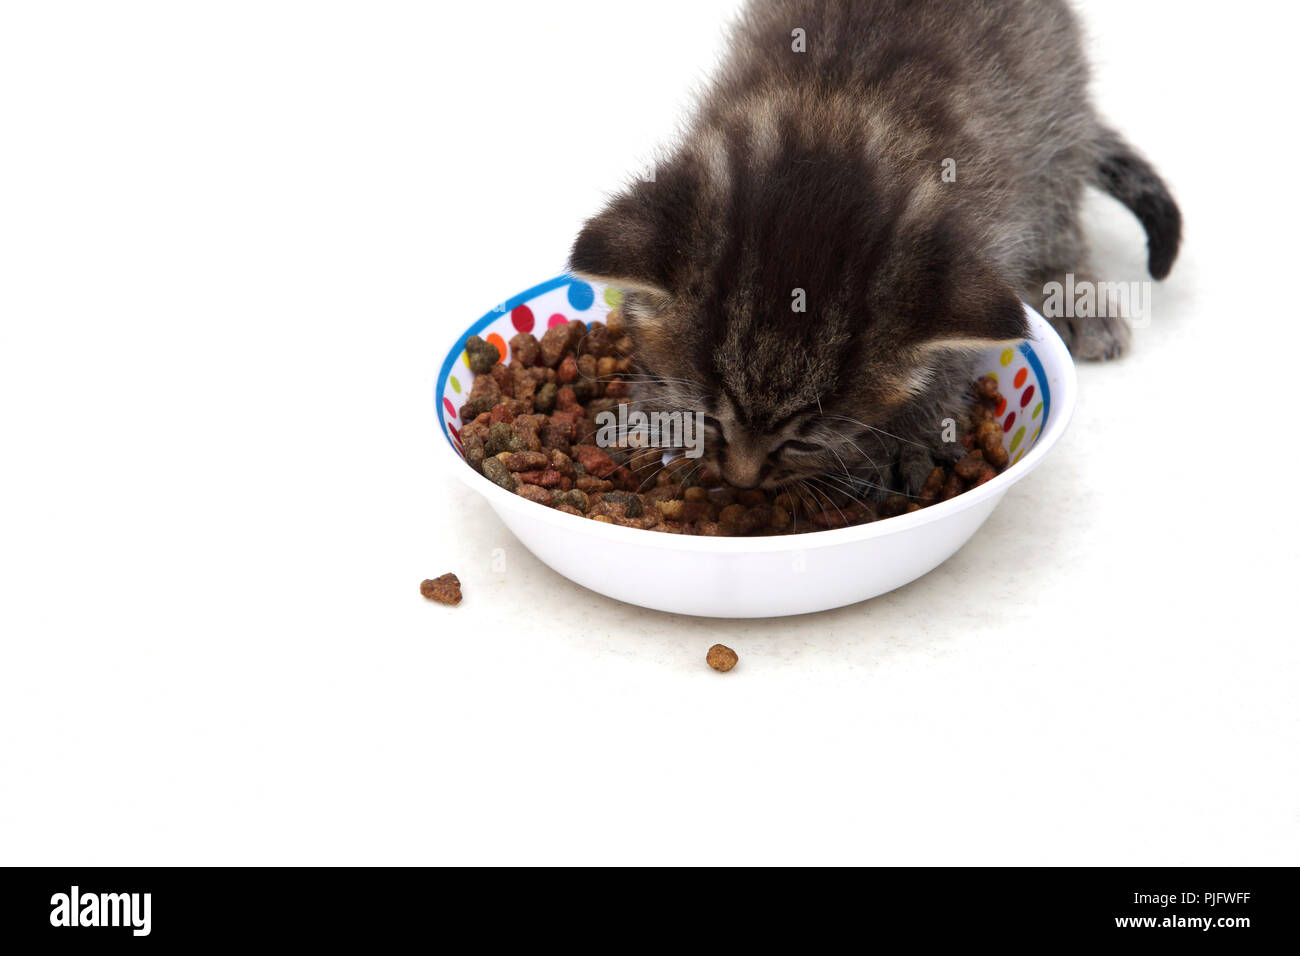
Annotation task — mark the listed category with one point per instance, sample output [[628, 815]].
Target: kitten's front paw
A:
[[914, 466]]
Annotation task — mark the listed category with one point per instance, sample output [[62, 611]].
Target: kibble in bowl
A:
[[516, 395]]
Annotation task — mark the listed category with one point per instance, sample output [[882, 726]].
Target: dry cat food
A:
[[721, 657], [530, 427], [444, 589]]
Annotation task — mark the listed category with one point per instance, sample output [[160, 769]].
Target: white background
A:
[[236, 239]]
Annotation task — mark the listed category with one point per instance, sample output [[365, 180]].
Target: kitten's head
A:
[[798, 295]]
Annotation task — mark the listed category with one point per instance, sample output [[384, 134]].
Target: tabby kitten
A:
[[818, 173]]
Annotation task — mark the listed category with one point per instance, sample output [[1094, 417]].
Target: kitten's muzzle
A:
[[742, 471]]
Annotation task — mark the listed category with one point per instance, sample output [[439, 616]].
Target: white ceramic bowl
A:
[[768, 576]]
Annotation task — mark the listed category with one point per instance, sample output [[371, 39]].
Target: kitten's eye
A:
[[799, 447], [711, 422]]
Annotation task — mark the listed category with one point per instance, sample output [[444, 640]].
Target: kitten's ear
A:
[[953, 298], [976, 310], [635, 242]]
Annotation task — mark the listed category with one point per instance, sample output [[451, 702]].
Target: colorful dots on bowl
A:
[[451, 409], [1021, 390], [613, 297], [522, 318], [555, 320], [455, 384], [581, 296]]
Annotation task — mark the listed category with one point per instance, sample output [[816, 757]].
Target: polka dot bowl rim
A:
[[1045, 352]]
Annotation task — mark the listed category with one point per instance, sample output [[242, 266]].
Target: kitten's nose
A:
[[742, 471]]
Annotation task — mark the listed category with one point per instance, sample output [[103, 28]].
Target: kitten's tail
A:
[[1131, 179]]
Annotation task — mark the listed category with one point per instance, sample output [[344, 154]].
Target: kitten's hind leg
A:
[[1058, 276], [1084, 313]]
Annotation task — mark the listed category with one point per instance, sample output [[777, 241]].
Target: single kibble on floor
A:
[[444, 589], [534, 427], [721, 657]]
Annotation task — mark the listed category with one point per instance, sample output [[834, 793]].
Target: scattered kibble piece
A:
[[444, 589], [721, 657]]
